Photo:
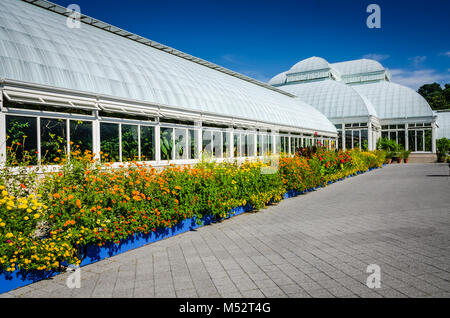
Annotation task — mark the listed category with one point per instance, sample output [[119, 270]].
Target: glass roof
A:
[[358, 67], [310, 64], [443, 122], [36, 46], [333, 99], [394, 101]]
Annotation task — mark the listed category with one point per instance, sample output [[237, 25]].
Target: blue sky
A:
[[262, 38]]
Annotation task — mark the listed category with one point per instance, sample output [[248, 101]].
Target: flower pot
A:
[[389, 160], [399, 160], [406, 160]]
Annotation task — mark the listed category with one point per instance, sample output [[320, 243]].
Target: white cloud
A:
[[445, 53], [416, 78], [376, 57], [417, 60]]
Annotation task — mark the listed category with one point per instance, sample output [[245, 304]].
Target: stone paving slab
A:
[[314, 245]]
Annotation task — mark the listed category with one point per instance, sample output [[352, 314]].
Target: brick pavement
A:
[[315, 245]]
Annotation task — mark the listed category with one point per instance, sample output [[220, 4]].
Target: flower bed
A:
[[92, 212]]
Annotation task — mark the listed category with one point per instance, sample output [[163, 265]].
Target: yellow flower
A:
[[36, 215], [26, 218], [9, 235], [4, 193], [2, 224]]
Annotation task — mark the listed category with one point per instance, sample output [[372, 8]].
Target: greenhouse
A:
[[103, 89], [358, 97]]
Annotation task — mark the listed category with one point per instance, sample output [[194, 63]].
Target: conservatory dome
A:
[[394, 101], [310, 64]]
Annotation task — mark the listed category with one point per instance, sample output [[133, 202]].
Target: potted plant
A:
[[397, 156], [442, 147], [405, 155], [388, 157]]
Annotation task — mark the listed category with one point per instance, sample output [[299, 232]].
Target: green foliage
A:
[[88, 203], [437, 97], [443, 148], [393, 149]]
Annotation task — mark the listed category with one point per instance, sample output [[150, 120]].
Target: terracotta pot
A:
[[399, 160], [406, 160], [389, 161]]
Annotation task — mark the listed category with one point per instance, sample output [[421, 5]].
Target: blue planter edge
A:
[[93, 253]]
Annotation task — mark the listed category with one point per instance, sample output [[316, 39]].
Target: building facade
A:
[[102, 89]]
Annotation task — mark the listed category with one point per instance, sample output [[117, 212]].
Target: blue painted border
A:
[[93, 253]]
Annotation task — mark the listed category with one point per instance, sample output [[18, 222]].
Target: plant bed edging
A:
[[94, 253]]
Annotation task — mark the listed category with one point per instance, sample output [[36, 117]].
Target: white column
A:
[[198, 138], [406, 137], [157, 142], [370, 144], [433, 136], [2, 132], [96, 136], [343, 137]]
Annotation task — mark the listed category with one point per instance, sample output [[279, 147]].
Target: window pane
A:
[[109, 141], [356, 139], [147, 143], [226, 144], [53, 140], [244, 140], [401, 137], [419, 140], [237, 145], [265, 145], [348, 139], [412, 140], [339, 141], [80, 136], [130, 144], [259, 145], [428, 140], [21, 141], [251, 145], [166, 143], [192, 144], [364, 140], [207, 142], [180, 143], [217, 144]]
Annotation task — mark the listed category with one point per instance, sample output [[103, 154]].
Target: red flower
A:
[[23, 186]]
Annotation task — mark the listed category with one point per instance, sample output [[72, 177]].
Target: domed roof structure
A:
[[394, 101], [333, 99], [310, 64], [358, 67]]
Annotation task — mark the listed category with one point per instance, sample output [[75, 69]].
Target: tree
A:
[[437, 97]]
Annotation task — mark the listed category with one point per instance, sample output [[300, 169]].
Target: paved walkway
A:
[[315, 245]]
